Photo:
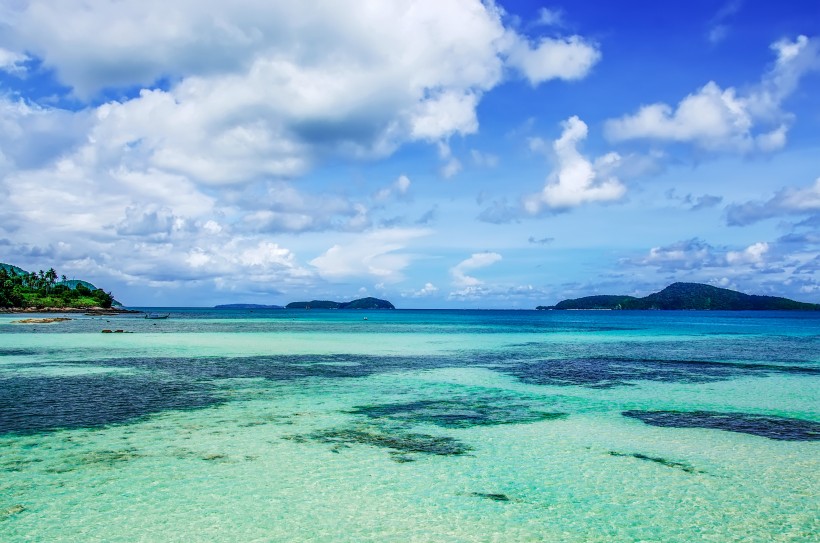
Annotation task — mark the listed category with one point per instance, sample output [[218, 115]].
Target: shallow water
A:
[[238, 425]]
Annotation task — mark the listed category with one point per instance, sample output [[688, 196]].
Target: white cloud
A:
[[450, 168], [697, 257], [689, 254], [718, 26], [476, 261], [12, 62], [266, 254], [550, 17], [577, 180], [553, 58], [184, 180], [32, 136], [484, 160], [254, 91], [376, 254], [428, 289], [787, 201], [398, 188], [718, 33], [753, 254], [440, 116], [715, 119], [280, 207]]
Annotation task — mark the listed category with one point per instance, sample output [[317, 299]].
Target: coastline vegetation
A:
[[20, 289]]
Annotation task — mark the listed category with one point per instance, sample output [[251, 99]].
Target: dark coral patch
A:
[[611, 372], [459, 413], [779, 428], [397, 441], [35, 404]]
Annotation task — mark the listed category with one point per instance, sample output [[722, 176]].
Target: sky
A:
[[438, 154]]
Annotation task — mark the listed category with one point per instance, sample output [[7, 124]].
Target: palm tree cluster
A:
[[41, 289]]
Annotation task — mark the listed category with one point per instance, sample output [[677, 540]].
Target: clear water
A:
[[237, 425]]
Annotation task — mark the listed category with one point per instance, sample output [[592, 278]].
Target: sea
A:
[[411, 426]]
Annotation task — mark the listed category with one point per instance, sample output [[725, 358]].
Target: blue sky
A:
[[437, 154]]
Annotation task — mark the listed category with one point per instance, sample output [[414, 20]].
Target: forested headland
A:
[[22, 289]]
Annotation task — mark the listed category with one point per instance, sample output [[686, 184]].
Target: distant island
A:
[[679, 296], [20, 289], [247, 306], [361, 303]]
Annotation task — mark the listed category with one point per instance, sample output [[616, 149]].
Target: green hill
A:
[[688, 296], [9, 268], [593, 302], [368, 303], [361, 303], [72, 284]]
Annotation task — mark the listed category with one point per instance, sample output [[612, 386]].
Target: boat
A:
[[157, 316]]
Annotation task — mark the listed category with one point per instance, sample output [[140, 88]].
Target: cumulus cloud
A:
[[254, 92], [696, 254], [569, 58], [476, 261], [682, 255], [429, 289], [275, 207], [753, 254], [32, 136], [149, 222], [577, 179], [788, 201], [377, 254], [220, 108], [715, 119]]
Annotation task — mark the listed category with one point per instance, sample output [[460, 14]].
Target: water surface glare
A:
[[265, 425]]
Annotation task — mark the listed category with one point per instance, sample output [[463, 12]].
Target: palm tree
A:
[[51, 277]]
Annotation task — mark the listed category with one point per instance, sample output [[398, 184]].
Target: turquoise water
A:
[[238, 425]]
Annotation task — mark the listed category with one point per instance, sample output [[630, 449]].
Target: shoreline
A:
[[93, 309]]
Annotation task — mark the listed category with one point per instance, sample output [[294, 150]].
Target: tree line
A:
[[41, 289]]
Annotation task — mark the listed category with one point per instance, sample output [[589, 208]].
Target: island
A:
[[679, 296], [247, 306], [21, 290], [361, 303]]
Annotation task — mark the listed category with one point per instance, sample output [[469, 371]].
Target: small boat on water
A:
[[157, 316]]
